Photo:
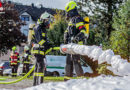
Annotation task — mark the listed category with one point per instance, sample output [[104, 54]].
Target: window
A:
[[25, 32], [25, 18]]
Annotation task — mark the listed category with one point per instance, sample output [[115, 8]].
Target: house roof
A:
[[35, 12]]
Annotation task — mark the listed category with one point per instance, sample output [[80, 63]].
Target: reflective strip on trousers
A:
[[38, 52], [23, 73], [80, 43], [65, 77], [14, 73], [39, 74]]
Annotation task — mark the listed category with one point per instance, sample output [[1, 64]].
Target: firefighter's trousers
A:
[[14, 70], [73, 61], [39, 70], [25, 68]]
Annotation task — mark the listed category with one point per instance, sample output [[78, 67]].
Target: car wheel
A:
[[1, 73], [56, 74]]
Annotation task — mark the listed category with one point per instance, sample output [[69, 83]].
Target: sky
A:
[[60, 4]]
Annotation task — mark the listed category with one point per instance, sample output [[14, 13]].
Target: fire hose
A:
[[25, 76], [118, 65]]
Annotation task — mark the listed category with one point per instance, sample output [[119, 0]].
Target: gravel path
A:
[[17, 86]]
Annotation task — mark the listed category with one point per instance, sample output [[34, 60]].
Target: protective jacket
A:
[[14, 58], [41, 43], [40, 48], [75, 32], [26, 57], [26, 62]]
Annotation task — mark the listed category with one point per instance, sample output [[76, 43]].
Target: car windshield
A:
[[1, 64], [5, 65]]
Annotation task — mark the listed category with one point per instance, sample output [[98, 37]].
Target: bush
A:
[[56, 31], [102, 69], [120, 38]]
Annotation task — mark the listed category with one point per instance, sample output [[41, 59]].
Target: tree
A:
[[101, 12], [120, 38], [57, 28], [10, 33]]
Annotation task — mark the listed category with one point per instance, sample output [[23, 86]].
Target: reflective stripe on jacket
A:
[[75, 26], [40, 40], [14, 58]]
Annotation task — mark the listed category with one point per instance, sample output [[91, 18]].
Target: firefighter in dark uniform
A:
[[40, 47], [75, 33], [14, 61], [26, 60]]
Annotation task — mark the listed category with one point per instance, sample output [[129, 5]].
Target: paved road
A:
[[17, 86]]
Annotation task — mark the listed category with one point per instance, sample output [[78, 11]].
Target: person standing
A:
[[75, 33], [40, 46], [26, 60], [14, 61]]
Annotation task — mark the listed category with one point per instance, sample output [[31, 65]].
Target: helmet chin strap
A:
[[45, 24], [72, 13]]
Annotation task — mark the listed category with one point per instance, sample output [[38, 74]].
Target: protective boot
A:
[[34, 80], [12, 71], [39, 72], [69, 68], [77, 65], [24, 70], [35, 77]]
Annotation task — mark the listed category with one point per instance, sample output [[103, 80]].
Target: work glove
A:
[[65, 37], [80, 37]]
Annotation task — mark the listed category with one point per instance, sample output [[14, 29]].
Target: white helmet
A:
[[31, 25], [26, 48], [45, 15]]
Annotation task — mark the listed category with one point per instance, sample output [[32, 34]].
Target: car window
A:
[[6, 65], [1, 64]]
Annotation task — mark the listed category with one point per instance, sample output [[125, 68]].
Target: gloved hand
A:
[[65, 37], [80, 37]]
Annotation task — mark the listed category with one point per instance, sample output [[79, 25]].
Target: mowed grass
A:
[[48, 78]]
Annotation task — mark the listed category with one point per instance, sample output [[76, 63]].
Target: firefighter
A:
[[26, 60], [75, 33], [31, 35], [40, 47], [14, 61]]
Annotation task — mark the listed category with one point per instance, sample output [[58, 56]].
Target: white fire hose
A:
[[118, 66]]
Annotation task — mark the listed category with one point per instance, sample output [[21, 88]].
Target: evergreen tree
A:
[[10, 33], [120, 39]]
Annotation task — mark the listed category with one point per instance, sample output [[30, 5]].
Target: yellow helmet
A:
[[14, 48], [70, 6]]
